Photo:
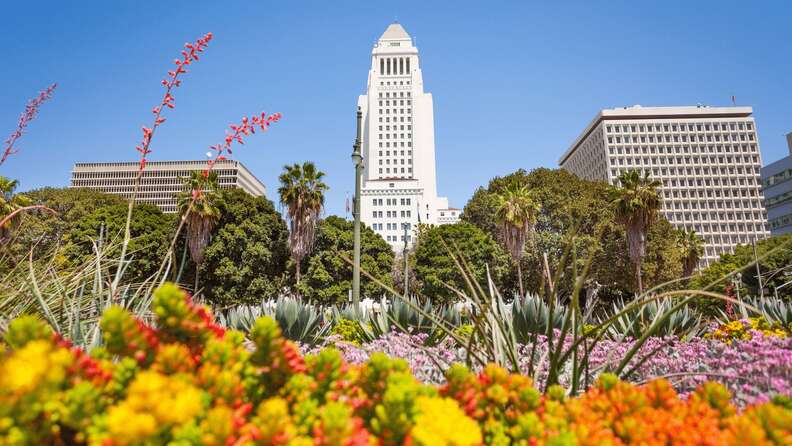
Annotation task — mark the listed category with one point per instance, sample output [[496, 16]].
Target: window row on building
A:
[[680, 127]]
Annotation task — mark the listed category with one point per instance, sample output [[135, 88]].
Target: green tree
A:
[[328, 277], [198, 203], [516, 214], [42, 232], [10, 202], [302, 192], [246, 258], [636, 202], [775, 269], [151, 232], [435, 267], [692, 248]]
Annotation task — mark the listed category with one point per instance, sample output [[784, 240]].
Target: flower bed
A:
[[753, 369], [190, 382]]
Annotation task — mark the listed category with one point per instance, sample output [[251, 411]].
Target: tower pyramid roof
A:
[[394, 32]]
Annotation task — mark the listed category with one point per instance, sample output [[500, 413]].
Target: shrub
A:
[[190, 382]]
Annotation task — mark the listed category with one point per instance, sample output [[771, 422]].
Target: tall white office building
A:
[[706, 157], [399, 180]]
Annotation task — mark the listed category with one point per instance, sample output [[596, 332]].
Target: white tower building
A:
[[399, 180]]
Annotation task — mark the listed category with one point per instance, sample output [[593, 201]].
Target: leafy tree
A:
[[775, 269], [661, 263], [567, 204], [692, 248], [328, 277], [516, 214], [302, 192], [42, 232], [199, 202], [435, 267], [150, 229], [246, 258], [636, 203], [10, 202]]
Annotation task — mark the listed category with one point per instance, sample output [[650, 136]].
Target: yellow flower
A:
[[36, 364], [441, 422], [154, 402]]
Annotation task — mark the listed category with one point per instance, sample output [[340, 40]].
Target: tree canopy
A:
[[246, 258], [435, 268], [775, 268], [150, 229], [571, 205], [328, 276]]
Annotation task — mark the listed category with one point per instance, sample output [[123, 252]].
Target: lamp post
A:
[[405, 253], [357, 159]]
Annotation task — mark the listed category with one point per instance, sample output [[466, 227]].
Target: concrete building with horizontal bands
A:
[[161, 180], [706, 157], [777, 186]]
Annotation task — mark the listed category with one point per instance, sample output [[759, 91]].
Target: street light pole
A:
[[405, 253], [357, 159]]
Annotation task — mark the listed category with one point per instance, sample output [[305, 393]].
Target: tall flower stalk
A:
[[188, 56], [31, 110]]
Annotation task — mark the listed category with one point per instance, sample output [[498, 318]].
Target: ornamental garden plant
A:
[[184, 380]]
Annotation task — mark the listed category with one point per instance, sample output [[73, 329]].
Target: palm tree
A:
[[516, 215], [10, 202], [692, 247], [636, 203], [198, 203], [302, 192]]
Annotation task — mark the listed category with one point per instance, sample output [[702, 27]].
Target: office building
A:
[[161, 180], [777, 186], [706, 157]]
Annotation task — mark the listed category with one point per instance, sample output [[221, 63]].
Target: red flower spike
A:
[[31, 110]]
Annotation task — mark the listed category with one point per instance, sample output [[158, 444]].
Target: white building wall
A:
[[161, 180], [707, 158], [399, 178]]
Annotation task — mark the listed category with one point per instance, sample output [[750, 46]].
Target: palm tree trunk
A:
[[197, 268], [638, 276], [519, 280], [298, 273]]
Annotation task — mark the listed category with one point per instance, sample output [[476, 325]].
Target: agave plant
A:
[[631, 321], [774, 310], [299, 321], [530, 316]]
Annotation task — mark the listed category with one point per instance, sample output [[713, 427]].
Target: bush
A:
[[190, 382], [435, 267]]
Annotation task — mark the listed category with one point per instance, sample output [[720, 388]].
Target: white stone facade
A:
[[161, 180], [399, 179], [706, 157]]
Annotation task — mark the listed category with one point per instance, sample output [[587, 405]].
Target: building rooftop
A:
[[640, 112], [395, 32]]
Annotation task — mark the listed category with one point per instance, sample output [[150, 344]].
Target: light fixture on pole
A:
[[357, 159]]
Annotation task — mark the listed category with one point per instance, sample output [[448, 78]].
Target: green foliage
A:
[[348, 330], [631, 321], [44, 230], [151, 232], [245, 261], [328, 276], [775, 265], [569, 204], [531, 315], [435, 267]]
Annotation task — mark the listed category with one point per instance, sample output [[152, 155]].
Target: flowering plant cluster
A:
[[187, 381], [745, 329], [754, 370]]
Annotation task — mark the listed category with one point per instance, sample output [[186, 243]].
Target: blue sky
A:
[[513, 82]]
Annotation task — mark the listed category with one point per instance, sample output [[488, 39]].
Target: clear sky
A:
[[513, 82]]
